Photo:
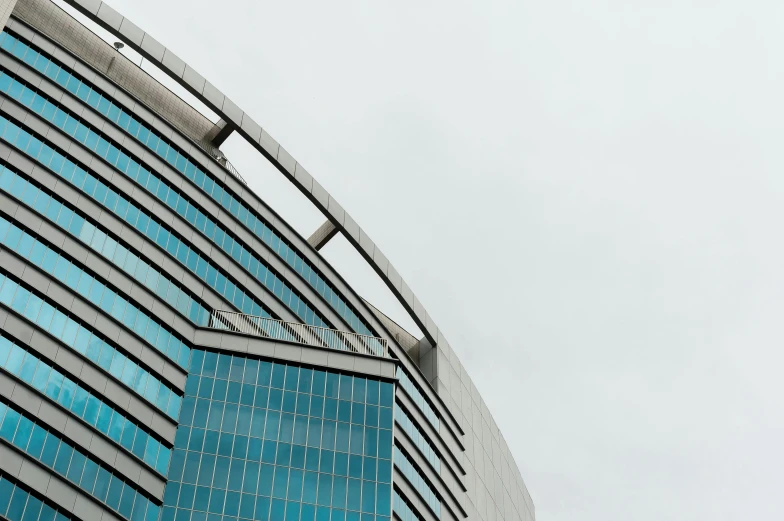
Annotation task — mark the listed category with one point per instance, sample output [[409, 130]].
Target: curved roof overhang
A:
[[168, 62]]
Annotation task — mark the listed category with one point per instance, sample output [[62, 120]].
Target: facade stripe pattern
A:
[[94, 236], [150, 139], [72, 332], [21, 362], [61, 456], [18, 504], [420, 484]]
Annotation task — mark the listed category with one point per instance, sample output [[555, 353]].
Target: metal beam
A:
[[322, 235], [220, 133]]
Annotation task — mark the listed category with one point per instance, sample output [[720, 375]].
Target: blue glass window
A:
[[90, 287], [419, 400], [403, 509], [419, 439], [277, 464], [70, 463], [47, 380], [409, 470], [82, 339], [204, 181], [17, 503]]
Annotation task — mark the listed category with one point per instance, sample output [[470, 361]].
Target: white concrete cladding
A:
[[6, 6], [495, 487]]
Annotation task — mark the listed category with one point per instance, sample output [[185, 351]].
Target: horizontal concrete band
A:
[[66, 360], [411, 495], [168, 62], [115, 391], [118, 334], [80, 436], [357, 363], [64, 495], [449, 497], [183, 184]]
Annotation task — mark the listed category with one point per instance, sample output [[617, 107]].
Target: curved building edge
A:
[[478, 477]]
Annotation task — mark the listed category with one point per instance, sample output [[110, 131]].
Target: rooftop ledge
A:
[[299, 333]]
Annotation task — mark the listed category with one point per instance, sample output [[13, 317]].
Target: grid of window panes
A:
[[419, 439], [83, 340], [420, 484], [161, 189], [72, 276], [18, 504], [23, 363], [51, 450], [272, 441], [402, 508], [51, 207], [419, 400], [131, 213], [147, 327], [149, 138]]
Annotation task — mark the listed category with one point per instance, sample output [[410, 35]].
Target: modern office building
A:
[[170, 348]]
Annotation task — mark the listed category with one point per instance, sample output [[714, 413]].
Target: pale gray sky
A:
[[587, 198]]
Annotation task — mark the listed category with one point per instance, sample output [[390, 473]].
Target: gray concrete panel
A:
[[131, 32], [7, 385], [105, 450], [69, 361], [18, 328], [34, 475], [44, 344], [53, 415], [85, 508], [10, 460], [444, 383], [61, 493], [6, 7], [77, 431], [26, 399], [94, 377]]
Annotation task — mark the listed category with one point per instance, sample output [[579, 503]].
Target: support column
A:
[[322, 235]]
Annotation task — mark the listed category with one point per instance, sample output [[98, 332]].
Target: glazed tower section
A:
[[170, 348]]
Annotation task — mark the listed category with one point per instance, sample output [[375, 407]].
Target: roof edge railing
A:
[[299, 333], [218, 155]]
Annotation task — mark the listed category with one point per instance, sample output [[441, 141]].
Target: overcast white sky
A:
[[586, 196]]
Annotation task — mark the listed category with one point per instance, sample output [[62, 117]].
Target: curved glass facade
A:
[[416, 396], [153, 395], [162, 190], [402, 509], [132, 214], [419, 439], [18, 504], [186, 166], [23, 363], [68, 330], [96, 238], [52, 451], [420, 484]]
